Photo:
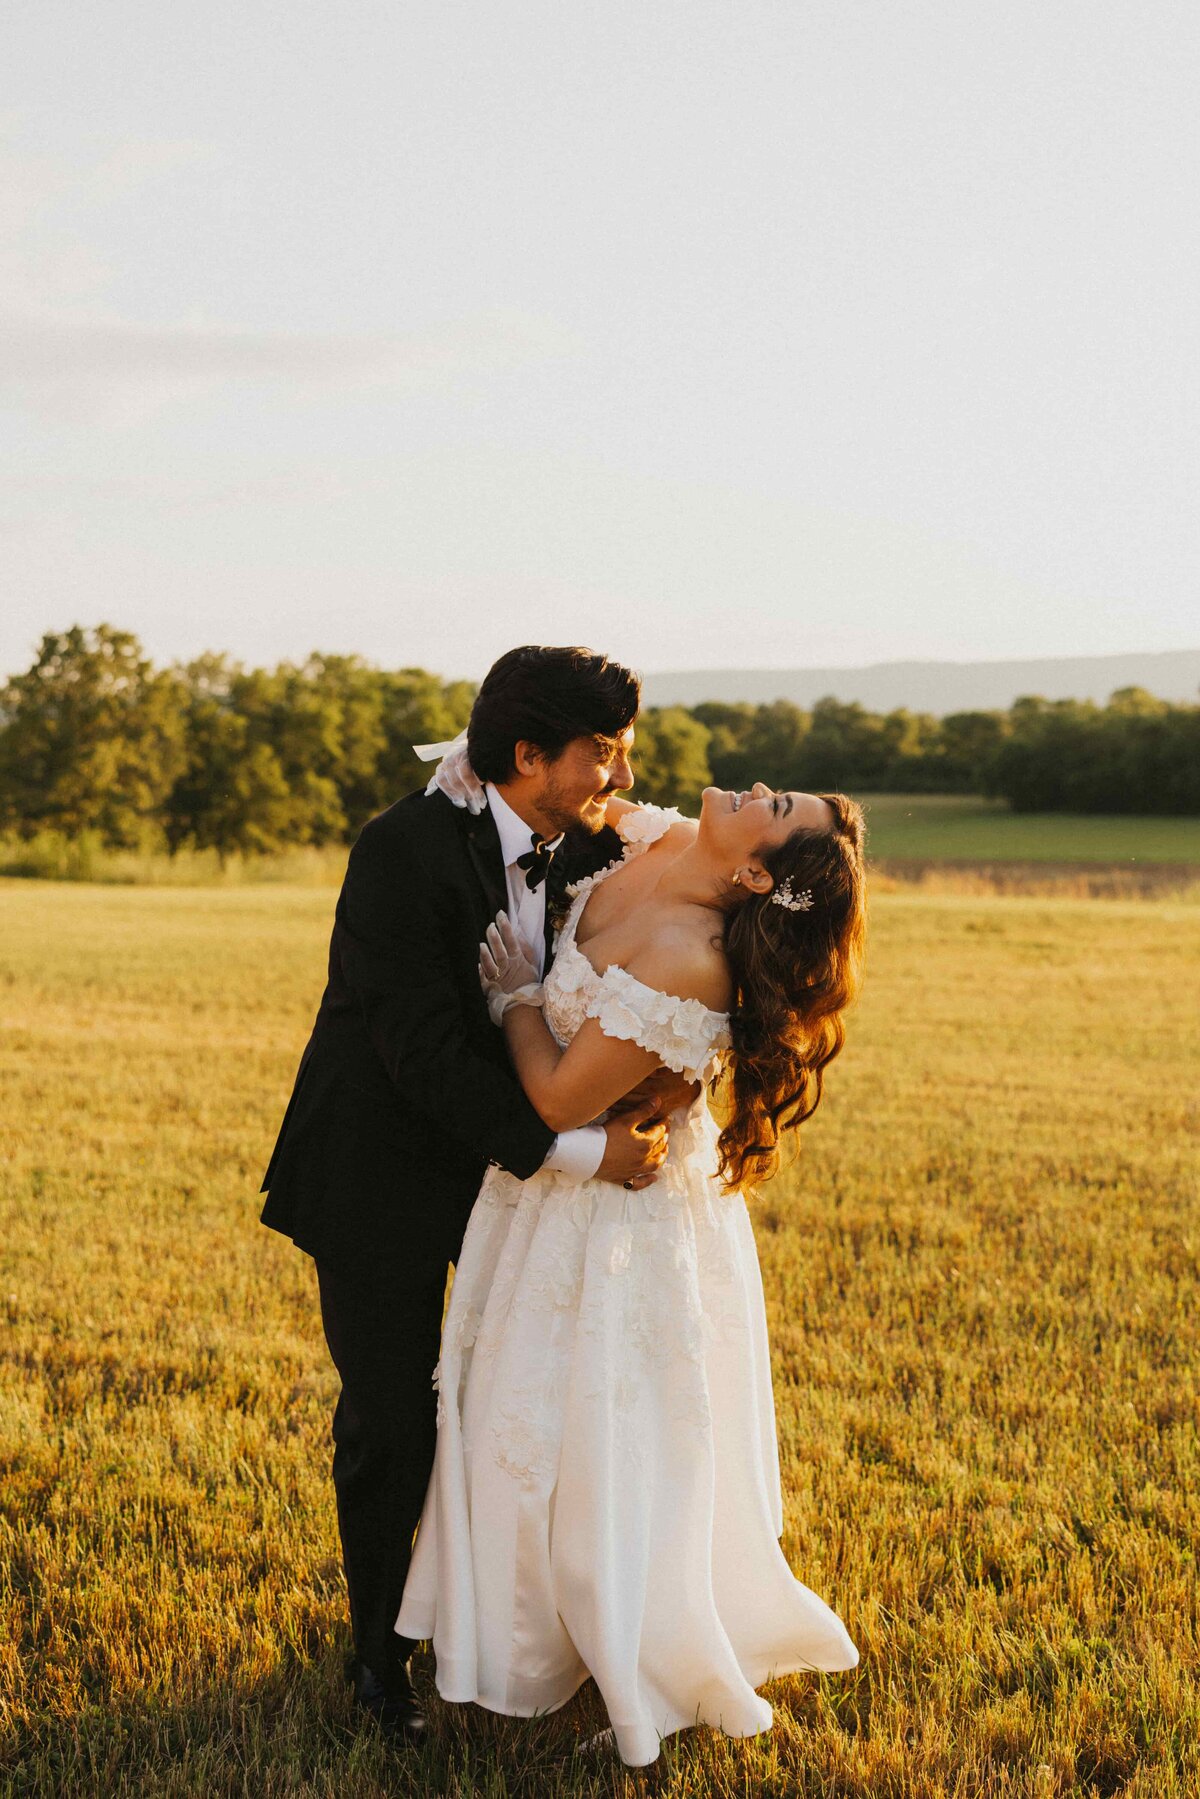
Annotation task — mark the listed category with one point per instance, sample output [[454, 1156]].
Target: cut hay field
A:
[[982, 1281]]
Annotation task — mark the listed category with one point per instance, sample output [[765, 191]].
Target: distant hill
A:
[[938, 687]]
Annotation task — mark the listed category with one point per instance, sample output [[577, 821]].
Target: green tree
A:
[[91, 739], [964, 751], [729, 728], [232, 794], [756, 743], [303, 753], [846, 747], [1177, 773], [776, 746], [417, 708], [357, 694], [671, 758], [1043, 761], [905, 744], [1152, 764], [286, 709], [1137, 754]]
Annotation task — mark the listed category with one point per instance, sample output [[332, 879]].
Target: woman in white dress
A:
[[605, 1498]]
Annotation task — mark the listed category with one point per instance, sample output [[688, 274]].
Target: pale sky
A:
[[710, 335]]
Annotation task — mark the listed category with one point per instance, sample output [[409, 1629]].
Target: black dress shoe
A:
[[392, 1703]]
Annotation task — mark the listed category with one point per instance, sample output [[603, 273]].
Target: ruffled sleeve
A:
[[644, 825], [683, 1033], [637, 829]]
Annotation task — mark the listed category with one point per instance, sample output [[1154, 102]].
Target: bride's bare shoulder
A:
[[687, 962]]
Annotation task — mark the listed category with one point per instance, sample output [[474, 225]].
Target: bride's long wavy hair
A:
[[795, 973]]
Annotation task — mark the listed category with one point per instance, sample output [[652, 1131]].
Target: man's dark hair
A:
[[547, 696]]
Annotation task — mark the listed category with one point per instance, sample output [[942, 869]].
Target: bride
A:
[[605, 1498]]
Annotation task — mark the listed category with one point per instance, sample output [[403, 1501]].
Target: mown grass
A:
[[949, 827], [981, 1279]]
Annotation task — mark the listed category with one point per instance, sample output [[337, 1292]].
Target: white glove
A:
[[507, 972], [454, 775]]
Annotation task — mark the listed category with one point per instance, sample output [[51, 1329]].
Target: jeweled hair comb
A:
[[794, 902]]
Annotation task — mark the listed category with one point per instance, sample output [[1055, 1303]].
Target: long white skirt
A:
[[605, 1497]]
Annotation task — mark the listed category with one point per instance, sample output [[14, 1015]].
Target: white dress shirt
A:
[[577, 1153]]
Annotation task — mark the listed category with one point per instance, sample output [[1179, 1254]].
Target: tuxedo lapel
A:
[[581, 854], [483, 850]]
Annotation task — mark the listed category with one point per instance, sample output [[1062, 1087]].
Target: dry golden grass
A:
[[982, 1284]]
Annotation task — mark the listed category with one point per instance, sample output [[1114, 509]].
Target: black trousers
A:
[[382, 1326]]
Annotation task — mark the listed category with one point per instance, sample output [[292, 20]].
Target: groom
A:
[[405, 1093]]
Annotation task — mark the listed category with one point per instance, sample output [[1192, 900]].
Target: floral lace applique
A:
[[466, 1327], [500, 1188], [637, 830], [644, 825], [568, 985], [523, 1445], [682, 1033]]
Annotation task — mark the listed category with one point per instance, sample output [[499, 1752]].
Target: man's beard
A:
[[556, 810]]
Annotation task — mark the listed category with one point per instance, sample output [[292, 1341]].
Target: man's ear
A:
[[527, 758]]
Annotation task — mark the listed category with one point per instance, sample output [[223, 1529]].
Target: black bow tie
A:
[[536, 862]]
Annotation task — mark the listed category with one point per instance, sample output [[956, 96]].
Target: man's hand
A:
[[636, 1147], [668, 1091]]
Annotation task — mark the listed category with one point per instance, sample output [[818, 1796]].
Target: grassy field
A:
[[982, 1285], [945, 827], [906, 831]]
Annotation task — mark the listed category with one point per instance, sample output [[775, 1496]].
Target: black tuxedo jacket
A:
[[405, 1091]]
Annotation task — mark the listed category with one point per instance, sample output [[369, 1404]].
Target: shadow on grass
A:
[[295, 1732]]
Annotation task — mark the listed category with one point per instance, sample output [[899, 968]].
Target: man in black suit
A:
[[405, 1093]]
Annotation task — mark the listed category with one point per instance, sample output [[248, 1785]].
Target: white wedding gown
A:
[[605, 1496]]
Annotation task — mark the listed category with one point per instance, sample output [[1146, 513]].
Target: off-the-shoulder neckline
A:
[[573, 943]]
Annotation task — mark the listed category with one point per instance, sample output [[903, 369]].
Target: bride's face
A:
[[734, 826]]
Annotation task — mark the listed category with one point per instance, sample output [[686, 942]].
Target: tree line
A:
[[211, 755]]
